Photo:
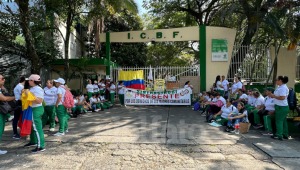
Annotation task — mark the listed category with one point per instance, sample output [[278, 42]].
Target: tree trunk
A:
[[67, 39], [30, 48]]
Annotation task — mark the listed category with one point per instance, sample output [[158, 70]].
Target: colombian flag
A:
[[25, 123], [132, 79]]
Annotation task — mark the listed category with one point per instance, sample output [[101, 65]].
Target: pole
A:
[[108, 57], [202, 56]]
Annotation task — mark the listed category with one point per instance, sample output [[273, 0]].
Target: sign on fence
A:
[[172, 97], [159, 85], [219, 50]]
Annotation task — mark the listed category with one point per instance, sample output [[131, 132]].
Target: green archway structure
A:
[[221, 40]]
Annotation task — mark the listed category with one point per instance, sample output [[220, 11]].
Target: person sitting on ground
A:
[[215, 107], [222, 116], [105, 103], [259, 105], [94, 102], [250, 99], [78, 106], [86, 104], [268, 108], [236, 118], [242, 97]]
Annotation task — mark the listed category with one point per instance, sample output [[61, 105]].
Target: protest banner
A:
[[172, 97]]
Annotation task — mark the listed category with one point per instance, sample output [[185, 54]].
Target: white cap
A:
[[60, 80]]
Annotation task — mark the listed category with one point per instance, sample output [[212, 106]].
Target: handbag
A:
[[5, 108]]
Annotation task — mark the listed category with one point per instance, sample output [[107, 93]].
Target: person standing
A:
[[112, 91], [225, 84], [96, 87], [17, 113], [37, 135], [219, 85], [90, 89], [121, 91], [281, 108], [61, 111], [3, 115], [101, 87], [50, 101], [188, 85]]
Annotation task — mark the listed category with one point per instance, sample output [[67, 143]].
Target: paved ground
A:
[[149, 138]]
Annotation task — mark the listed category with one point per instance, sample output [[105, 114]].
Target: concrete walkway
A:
[[146, 137]]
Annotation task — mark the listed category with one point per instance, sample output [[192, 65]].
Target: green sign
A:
[[219, 50]]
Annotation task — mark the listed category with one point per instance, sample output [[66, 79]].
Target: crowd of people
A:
[[49, 105], [229, 106]]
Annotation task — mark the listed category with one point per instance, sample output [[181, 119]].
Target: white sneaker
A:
[[59, 134], [10, 118], [2, 152], [66, 131], [51, 129]]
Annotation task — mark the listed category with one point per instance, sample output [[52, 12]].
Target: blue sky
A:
[[141, 9]]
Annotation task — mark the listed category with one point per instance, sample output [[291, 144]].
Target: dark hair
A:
[[230, 100], [256, 94], [120, 82], [243, 91], [239, 78], [218, 78], [26, 85], [284, 79], [243, 109], [186, 83], [22, 79]]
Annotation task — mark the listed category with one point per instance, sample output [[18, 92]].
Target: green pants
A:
[[256, 116], [112, 98], [280, 121], [37, 133], [49, 115], [77, 108], [121, 98], [221, 92], [89, 94], [221, 120], [105, 105], [61, 113], [102, 92], [2, 124], [98, 106]]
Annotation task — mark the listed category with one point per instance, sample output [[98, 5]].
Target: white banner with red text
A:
[[171, 97]]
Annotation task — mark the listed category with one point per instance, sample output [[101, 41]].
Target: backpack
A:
[[292, 99], [68, 99], [196, 106]]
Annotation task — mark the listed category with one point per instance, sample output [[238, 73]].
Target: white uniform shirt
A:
[[259, 101], [244, 96], [251, 100], [223, 100], [62, 91], [112, 88], [50, 96], [18, 91], [90, 88], [96, 88], [269, 103], [121, 89], [37, 91], [81, 98], [219, 83], [236, 86], [102, 86], [92, 100], [225, 84], [75, 102], [282, 90], [227, 110]]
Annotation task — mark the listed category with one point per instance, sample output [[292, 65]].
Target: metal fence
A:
[[253, 63], [169, 73]]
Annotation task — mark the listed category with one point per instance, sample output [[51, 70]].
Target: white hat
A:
[[60, 80]]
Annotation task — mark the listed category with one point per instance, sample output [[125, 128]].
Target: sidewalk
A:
[[152, 137]]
